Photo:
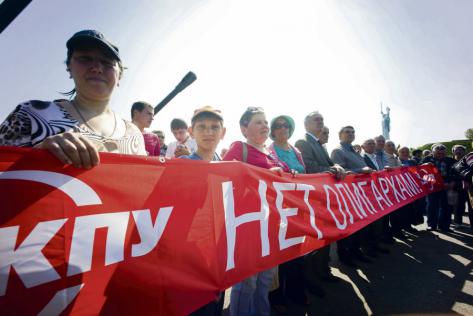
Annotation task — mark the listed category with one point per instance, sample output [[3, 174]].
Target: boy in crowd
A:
[[142, 114], [207, 130], [184, 144]]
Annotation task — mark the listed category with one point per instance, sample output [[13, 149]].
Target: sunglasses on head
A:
[[254, 109]]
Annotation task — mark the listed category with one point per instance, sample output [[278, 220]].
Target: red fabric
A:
[[152, 144], [255, 157], [109, 217]]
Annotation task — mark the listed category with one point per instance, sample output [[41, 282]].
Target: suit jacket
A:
[[315, 157], [369, 163]]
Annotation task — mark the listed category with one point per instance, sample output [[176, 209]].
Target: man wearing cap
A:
[[142, 116], [459, 151], [464, 168], [439, 214]]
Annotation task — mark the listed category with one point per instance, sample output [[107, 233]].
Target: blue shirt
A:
[[194, 156], [290, 158], [408, 162], [348, 158]]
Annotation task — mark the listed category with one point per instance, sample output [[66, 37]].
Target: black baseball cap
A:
[[92, 38]]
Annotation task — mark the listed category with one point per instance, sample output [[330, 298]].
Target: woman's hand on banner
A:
[[72, 149]]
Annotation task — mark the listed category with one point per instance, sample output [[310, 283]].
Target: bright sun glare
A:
[[288, 59]]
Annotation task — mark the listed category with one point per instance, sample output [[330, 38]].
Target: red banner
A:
[[138, 236]]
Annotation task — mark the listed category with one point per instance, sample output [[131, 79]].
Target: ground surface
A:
[[430, 273]]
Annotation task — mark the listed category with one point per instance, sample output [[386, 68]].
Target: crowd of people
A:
[[75, 130]]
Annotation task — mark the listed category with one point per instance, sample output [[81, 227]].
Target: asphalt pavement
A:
[[429, 273]]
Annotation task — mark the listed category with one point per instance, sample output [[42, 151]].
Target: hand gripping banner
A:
[[138, 236]]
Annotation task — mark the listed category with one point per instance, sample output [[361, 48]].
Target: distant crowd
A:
[[76, 129]]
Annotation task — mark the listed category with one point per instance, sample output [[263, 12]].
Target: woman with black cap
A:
[[75, 130]]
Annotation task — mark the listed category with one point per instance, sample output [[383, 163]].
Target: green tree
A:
[[449, 144], [469, 133]]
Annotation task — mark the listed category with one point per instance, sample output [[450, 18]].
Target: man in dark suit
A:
[[316, 160], [369, 155], [315, 157]]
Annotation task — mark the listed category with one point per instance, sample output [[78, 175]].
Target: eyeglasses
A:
[[283, 125], [89, 61]]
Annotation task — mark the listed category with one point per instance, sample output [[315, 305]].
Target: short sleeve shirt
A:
[[34, 121]]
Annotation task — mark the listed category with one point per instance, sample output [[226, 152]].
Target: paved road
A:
[[431, 273]]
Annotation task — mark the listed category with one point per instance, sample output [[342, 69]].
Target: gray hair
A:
[[311, 115], [367, 140], [390, 142], [379, 137]]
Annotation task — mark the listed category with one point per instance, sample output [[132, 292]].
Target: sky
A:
[[341, 58]]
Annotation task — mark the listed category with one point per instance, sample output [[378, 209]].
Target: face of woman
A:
[[281, 130], [257, 130], [95, 75]]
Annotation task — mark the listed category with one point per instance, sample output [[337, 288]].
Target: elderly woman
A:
[[250, 297], [254, 127], [75, 130], [291, 274], [282, 128]]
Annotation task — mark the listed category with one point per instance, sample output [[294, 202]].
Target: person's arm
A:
[[157, 148], [464, 167], [72, 149], [452, 174], [141, 147], [338, 157], [363, 170], [16, 129], [69, 147], [311, 165]]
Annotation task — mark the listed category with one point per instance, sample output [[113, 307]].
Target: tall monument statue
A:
[[386, 122]]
